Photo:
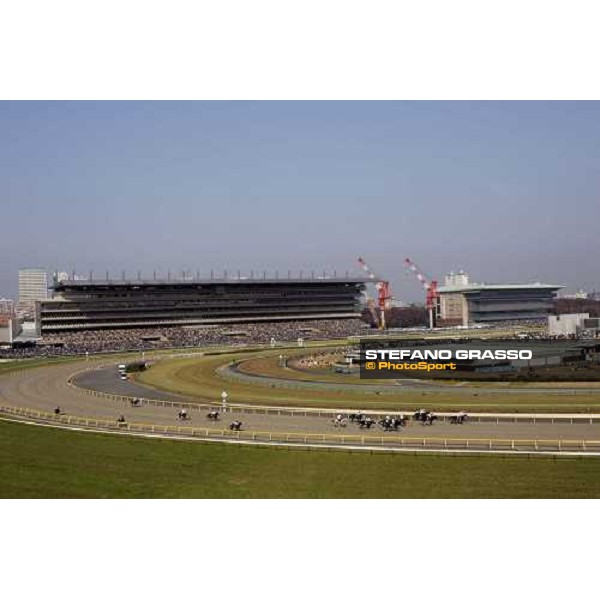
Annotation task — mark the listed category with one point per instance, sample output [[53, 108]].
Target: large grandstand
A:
[[80, 305]]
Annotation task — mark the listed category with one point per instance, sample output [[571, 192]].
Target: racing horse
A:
[[386, 423], [458, 419], [420, 415], [393, 423], [401, 420], [213, 415], [429, 418], [339, 421], [358, 417], [235, 425], [367, 422]]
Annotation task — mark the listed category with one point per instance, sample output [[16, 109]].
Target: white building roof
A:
[[476, 287]]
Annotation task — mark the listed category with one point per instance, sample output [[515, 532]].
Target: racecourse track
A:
[[91, 396]]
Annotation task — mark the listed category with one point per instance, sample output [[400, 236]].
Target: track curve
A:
[[44, 388]]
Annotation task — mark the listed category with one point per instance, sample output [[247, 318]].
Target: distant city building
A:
[[7, 307], [567, 324], [464, 303], [33, 286], [591, 327], [579, 295], [10, 328], [60, 276]]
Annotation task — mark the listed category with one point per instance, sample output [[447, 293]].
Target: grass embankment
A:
[[39, 462], [198, 377], [268, 366]]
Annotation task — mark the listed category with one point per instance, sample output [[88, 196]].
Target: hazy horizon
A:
[[507, 191]]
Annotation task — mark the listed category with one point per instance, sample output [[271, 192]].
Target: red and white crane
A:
[[431, 289], [383, 293]]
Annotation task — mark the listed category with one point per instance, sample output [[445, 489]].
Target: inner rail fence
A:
[[314, 439], [311, 412], [332, 412]]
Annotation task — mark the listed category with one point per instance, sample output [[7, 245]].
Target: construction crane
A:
[[371, 308], [383, 293], [370, 302], [430, 287]]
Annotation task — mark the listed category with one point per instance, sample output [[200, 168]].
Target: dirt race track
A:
[[44, 388]]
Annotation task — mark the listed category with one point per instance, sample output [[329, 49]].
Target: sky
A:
[[508, 191]]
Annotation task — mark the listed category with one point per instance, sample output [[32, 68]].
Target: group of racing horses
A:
[[394, 423], [387, 423], [213, 415]]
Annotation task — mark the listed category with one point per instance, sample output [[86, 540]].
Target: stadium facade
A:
[[464, 303], [95, 305]]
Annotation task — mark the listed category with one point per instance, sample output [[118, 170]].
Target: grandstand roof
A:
[[206, 281], [477, 287]]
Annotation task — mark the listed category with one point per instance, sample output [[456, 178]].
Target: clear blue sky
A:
[[509, 191]]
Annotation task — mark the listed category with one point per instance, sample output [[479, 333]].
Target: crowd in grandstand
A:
[[518, 323], [122, 340], [117, 340]]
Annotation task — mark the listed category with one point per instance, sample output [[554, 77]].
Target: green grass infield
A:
[[43, 462]]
